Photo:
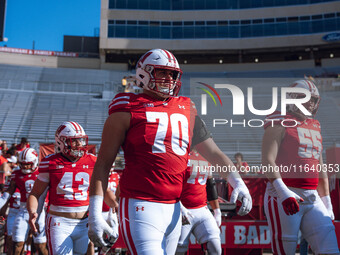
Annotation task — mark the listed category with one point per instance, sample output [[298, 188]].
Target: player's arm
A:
[[35, 202], [7, 195], [206, 146], [271, 142], [117, 192], [212, 197], [210, 151], [323, 188], [110, 199], [270, 147], [6, 169], [113, 136]]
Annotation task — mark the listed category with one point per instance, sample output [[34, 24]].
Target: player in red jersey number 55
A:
[[297, 200]]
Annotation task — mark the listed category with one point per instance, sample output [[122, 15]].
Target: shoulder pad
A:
[[121, 102], [273, 119]]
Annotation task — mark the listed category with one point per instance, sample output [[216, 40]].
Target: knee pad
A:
[[214, 247]]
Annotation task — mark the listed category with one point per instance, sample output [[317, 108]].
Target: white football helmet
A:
[[71, 139], [28, 160], [149, 63], [308, 84]]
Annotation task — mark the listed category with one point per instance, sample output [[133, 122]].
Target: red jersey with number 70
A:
[[300, 149], [194, 194], [68, 181], [156, 146]]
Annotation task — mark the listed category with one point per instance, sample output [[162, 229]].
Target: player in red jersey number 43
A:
[[156, 130], [66, 174]]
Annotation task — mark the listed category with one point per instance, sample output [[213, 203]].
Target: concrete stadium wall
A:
[[93, 63], [249, 66], [55, 62]]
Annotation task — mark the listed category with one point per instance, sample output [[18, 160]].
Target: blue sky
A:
[[46, 22]]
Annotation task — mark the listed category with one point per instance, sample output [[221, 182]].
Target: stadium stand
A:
[[35, 100]]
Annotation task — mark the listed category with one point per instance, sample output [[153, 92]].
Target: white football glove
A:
[[112, 219], [328, 203], [218, 216], [98, 227], [187, 216], [240, 193], [289, 199]]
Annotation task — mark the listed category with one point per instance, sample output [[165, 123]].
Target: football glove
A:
[[186, 215], [240, 193], [218, 216], [289, 199], [100, 233]]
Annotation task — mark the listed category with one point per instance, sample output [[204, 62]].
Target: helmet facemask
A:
[[158, 71], [26, 167], [315, 96], [75, 146], [28, 160], [71, 140], [160, 81]]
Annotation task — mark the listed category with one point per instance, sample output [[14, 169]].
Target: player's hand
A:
[[187, 216], [33, 216], [242, 194], [100, 233], [290, 203], [328, 204], [289, 199], [218, 216], [111, 220]]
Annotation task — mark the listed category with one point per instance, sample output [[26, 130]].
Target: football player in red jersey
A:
[[298, 199], [67, 175], [156, 130], [23, 178], [199, 188], [14, 208]]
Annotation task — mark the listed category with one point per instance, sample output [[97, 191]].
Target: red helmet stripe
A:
[[79, 127], [310, 86], [168, 54], [145, 56], [24, 154], [75, 126], [173, 57]]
